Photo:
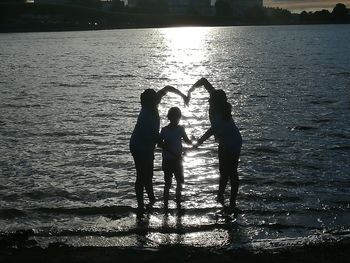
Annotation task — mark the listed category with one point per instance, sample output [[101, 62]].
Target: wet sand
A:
[[62, 253]]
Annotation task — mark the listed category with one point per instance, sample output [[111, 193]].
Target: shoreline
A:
[[90, 28], [332, 253]]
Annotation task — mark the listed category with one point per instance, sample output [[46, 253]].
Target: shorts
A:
[[173, 167]]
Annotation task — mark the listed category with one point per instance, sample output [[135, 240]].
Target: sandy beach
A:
[[59, 253]]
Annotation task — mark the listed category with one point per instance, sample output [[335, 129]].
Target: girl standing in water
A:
[[230, 141]]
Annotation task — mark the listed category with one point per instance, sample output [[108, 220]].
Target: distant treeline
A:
[[88, 14], [264, 15], [340, 14]]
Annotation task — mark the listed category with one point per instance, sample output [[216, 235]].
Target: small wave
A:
[[112, 76], [342, 232], [141, 229], [103, 115], [17, 134], [112, 101], [19, 235], [280, 226], [17, 106], [340, 148], [271, 199], [341, 74], [9, 197], [60, 134], [11, 213], [38, 194], [266, 149], [322, 102], [302, 128], [259, 96], [121, 76], [158, 78], [343, 204], [272, 80], [69, 85], [340, 135], [321, 121], [296, 68], [86, 141], [73, 120], [117, 211], [88, 210]]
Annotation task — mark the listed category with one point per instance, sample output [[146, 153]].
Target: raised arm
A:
[[201, 82], [161, 93]]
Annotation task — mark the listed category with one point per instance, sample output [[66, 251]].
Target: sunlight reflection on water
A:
[[185, 53]]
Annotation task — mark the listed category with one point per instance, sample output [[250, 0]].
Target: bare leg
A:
[[222, 185], [179, 176], [178, 192], [234, 182], [149, 191], [148, 182], [139, 193], [139, 164], [223, 179], [234, 190], [167, 185], [144, 175]]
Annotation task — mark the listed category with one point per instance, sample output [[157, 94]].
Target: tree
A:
[[153, 6], [256, 14], [223, 8], [278, 15], [117, 5], [85, 3], [322, 16], [340, 12]]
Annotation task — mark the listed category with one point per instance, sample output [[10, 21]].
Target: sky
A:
[[307, 5]]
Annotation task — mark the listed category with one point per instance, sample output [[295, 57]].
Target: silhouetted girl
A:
[[230, 141]]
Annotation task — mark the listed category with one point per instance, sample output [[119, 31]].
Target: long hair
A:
[[218, 104], [149, 99]]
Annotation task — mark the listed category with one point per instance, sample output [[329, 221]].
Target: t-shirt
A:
[[172, 137], [146, 134], [227, 133]]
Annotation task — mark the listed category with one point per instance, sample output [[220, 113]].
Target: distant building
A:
[[132, 3], [182, 7], [239, 7], [106, 5]]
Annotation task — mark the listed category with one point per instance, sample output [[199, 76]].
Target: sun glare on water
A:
[[180, 38], [185, 60], [186, 52]]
